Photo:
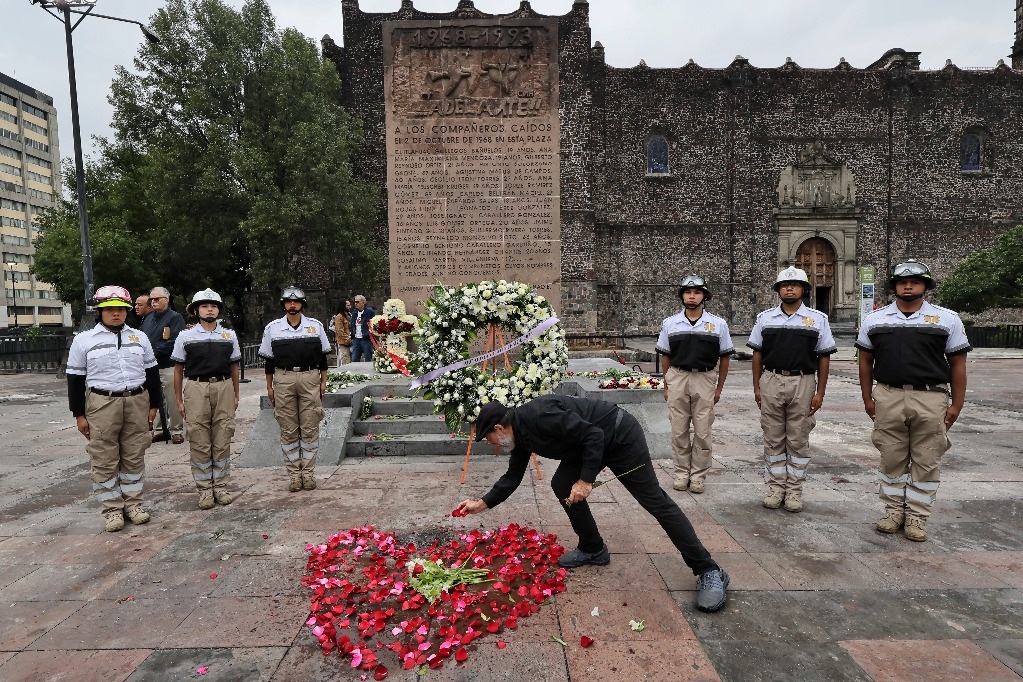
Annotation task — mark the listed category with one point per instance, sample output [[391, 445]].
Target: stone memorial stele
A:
[[472, 154]]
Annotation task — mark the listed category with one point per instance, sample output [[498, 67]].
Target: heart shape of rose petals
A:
[[362, 601]]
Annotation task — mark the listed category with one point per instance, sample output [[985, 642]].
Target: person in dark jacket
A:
[[586, 436], [162, 325]]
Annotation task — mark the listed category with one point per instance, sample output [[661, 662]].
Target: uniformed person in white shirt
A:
[[295, 348], [691, 343], [916, 352], [208, 355], [792, 346], [114, 393]]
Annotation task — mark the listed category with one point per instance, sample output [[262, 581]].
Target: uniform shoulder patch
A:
[[708, 326], [809, 322], [225, 335], [310, 329]]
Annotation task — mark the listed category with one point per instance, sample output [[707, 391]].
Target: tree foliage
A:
[[231, 164], [989, 278]]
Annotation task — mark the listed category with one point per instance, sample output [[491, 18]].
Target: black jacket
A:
[[152, 327], [557, 427]]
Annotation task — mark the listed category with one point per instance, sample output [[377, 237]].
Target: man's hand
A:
[[83, 427], [580, 491], [270, 395], [471, 507], [868, 407], [951, 414], [323, 389], [815, 403], [181, 410], [665, 391], [717, 396], [756, 397], [152, 416], [237, 399]]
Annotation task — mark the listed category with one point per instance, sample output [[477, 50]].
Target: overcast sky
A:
[[665, 33]]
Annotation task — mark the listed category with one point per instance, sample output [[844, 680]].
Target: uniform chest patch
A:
[[932, 319], [708, 326], [225, 335], [809, 322], [133, 338], [310, 330]]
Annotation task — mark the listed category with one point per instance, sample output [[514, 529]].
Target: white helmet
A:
[[207, 296], [792, 274]]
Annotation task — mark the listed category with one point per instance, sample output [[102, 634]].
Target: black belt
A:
[[792, 372], [936, 388], [691, 369], [211, 380], [298, 369], [119, 394]]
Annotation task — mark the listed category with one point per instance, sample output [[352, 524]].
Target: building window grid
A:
[[11, 240], [35, 111], [35, 128], [6, 116], [36, 161], [22, 258], [18, 293], [12, 205], [39, 194], [10, 153], [10, 135], [7, 99], [12, 222], [38, 177], [29, 142]]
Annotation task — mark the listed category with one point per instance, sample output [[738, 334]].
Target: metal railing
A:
[[32, 353], [1002, 336]]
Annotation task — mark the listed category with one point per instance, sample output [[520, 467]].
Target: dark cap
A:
[[490, 416]]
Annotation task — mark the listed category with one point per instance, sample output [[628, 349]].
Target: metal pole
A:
[[14, 296], [87, 321]]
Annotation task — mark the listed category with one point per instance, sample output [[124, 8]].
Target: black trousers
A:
[[628, 450]]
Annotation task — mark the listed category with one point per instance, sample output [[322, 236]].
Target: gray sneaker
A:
[[711, 592], [577, 558]]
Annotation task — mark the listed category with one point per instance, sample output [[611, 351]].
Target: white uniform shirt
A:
[[792, 342], [294, 346], [216, 350], [109, 361], [912, 350], [694, 345]]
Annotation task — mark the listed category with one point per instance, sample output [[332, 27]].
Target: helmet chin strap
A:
[[116, 330], [691, 306], [909, 298]]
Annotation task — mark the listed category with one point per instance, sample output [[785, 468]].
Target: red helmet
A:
[[112, 296]]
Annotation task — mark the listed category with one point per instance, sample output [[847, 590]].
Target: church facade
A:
[[737, 172]]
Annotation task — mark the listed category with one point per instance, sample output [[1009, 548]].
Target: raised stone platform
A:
[[422, 431]]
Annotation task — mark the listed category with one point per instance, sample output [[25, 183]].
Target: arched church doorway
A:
[[817, 256]]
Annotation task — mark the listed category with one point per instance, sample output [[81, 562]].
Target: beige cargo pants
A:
[[175, 425], [691, 403], [209, 410], [299, 411], [784, 408], [118, 438], [909, 432]]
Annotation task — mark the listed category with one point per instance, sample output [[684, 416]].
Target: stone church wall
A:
[[629, 236]]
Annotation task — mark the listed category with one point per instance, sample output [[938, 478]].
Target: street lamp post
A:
[[67, 8]]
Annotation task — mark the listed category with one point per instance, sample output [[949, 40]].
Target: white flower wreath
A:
[[456, 316]]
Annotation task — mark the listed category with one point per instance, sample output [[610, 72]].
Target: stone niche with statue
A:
[[472, 153]]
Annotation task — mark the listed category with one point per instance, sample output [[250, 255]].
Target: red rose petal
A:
[[461, 655], [585, 641], [501, 644], [213, 576], [458, 512], [380, 672]]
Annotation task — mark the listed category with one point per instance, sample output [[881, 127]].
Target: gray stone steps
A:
[[409, 406], [414, 424], [418, 444]]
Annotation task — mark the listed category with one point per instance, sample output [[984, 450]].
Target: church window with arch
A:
[[657, 156], [970, 152]]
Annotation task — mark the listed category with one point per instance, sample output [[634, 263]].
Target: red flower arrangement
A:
[[360, 592], [392, 326]]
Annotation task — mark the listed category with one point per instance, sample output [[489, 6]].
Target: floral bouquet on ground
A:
[[621, 378], [391, 329], [338, 380], [373, 595], [455, 316]]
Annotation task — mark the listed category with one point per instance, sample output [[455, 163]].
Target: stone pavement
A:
[[815, 596]]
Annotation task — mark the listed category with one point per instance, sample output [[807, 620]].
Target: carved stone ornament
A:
[[818, 180]]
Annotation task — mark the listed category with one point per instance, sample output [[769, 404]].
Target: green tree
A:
[[231, 164], [989, 278]]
